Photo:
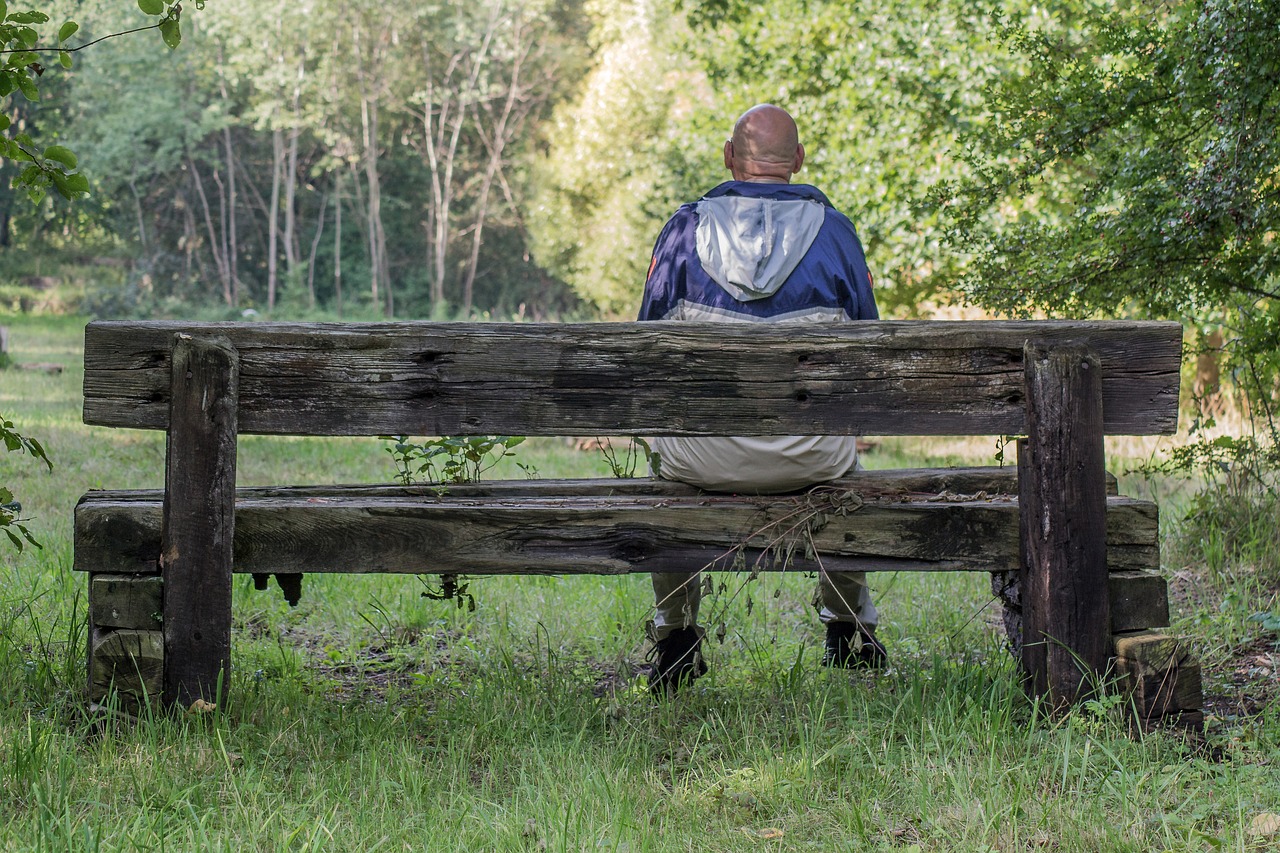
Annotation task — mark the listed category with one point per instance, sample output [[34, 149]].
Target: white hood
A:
[[750, 245]]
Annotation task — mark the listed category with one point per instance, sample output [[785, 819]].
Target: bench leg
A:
[[1066, 636], [199, 520]]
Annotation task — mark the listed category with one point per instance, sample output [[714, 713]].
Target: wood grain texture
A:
[[1139, 599], [381, 529], [1152, 652], [126, 601], [1062, 485], [866, 378], [909, 483], [128, 662], [1159, 694], [198, 520]]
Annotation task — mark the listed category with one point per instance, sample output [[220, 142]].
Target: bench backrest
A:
[[421, 378]]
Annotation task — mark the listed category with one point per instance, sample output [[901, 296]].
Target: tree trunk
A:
[[315, 247], [219, 257], [373, 209], [273, 217], [142, 228], [291, 253], [337, 240], [233, 250], [443, 118]]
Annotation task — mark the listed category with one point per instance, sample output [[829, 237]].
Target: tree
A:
[[620, 160], [22, 46], [1132, 170]]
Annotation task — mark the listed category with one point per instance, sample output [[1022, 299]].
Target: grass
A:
[[369, 718]]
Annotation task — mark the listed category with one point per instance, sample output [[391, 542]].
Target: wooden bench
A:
[[1076, 564]]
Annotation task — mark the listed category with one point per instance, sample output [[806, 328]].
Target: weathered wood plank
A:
[[129, 662], [915, 483], [1139, 599], [867, 378], [199, 520], [1062, 485], [1151, 652], [1176, 689], [332, 530], [126, 601]]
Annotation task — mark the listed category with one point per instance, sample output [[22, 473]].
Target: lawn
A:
[[372, 718]]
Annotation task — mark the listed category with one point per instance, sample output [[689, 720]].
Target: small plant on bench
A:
[[628, 463], [451, 459]]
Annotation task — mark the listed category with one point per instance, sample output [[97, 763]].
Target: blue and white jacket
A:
[[756, 252]]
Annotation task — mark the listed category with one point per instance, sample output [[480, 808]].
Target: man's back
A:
[[758, 253]]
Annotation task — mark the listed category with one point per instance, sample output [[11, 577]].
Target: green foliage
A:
[[21, 47], [626, 464], [1230, 529], [1269, 622], [450, 459], [1149, 140], [1131, 170], [620, 158], [242, 170], [10, 522]]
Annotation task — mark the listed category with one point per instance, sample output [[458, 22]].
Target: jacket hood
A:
[[750, 237]]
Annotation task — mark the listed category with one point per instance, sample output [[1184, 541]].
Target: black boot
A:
[[678, 662], [842, 651]]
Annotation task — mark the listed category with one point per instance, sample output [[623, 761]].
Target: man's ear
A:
[[728, 154], [799, 158]]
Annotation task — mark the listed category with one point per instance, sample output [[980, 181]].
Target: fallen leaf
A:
[[1266, 823]]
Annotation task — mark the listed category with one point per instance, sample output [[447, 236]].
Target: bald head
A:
[[765, 146]]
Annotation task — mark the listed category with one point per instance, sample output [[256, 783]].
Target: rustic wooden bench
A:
[[1076, 565]]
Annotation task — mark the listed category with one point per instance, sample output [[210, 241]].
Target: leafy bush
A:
[[10, 522]]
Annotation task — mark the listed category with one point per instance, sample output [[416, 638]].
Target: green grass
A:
[[370, 718]]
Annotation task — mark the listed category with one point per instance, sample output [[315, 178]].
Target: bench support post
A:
[[199, 520], [1066, 631]]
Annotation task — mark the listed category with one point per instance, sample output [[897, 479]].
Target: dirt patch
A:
[[1246, 683], [1241, 680]]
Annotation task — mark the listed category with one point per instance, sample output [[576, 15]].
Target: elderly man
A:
[[759, 249]]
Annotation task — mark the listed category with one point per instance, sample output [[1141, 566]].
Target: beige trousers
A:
[[757, 465], [841, 597]]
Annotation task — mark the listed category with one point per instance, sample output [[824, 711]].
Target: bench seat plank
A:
[[991, 479], [866, 378], [545, 527]]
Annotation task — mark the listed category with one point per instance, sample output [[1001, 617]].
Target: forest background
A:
[[519, 156]]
